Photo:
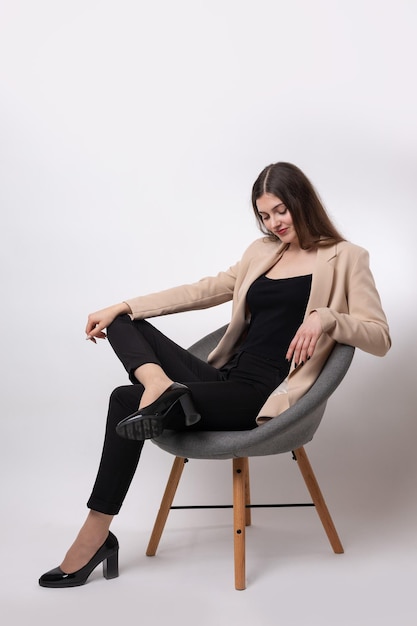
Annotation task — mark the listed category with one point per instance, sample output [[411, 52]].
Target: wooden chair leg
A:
[[167, 499], [248, 517], [317, 497], [240, 466]]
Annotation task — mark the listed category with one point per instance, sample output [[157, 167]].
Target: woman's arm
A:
[[205, 293]]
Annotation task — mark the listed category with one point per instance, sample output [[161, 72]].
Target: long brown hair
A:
[[288, 183]]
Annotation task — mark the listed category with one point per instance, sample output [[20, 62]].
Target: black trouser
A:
[[227, 399]]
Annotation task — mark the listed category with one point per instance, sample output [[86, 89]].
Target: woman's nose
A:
[[276, 220]]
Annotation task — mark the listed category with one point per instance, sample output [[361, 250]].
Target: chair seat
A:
[[261, 441], [292, 429]]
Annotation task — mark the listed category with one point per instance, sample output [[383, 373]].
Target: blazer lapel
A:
[[322, 282], [258, 268]]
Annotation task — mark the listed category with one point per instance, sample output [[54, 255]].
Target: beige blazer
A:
[[343, 293]]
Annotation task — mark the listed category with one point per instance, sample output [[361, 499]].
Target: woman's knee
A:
[[120, 322], [125, 399]]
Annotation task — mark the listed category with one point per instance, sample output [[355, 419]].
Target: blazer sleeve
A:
[[205, 293], [364, 324]]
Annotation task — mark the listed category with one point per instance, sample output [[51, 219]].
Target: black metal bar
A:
[[248, 506]]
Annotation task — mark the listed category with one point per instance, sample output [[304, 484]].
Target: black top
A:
[[277, 308]]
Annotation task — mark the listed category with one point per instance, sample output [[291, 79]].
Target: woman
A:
[[296, 291]]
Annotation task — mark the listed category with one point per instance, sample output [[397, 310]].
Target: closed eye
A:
[[281, 209]]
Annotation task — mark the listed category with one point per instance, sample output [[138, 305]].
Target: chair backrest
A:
[[205, 345], [288, 431]]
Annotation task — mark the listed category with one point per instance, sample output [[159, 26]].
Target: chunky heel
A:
[[111, 566], [190, 412]]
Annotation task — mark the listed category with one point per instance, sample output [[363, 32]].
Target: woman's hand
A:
[[101, 319], [304, 343]]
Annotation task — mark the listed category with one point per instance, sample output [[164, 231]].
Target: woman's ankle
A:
[[153, 391], [90, 538]]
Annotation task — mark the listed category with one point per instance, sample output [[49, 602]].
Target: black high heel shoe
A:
[[149, 422], [108, 554]]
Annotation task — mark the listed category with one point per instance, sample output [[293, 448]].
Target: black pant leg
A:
[[224, 405], [138, 342], [120, 456], [226, 401]]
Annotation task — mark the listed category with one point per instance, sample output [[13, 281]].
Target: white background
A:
[[131, 134]]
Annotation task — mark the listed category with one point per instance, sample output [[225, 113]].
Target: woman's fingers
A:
[[92, 335], [96, 323], [302, 347]]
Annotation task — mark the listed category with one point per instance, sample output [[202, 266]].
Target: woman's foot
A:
[[90, 538], [149, 422], [154, 381], [94, 544], [154, 391], [81, 552], [107, 554]]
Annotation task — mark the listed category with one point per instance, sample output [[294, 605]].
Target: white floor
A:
[[293, 578]]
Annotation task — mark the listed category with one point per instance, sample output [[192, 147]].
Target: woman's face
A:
[[276, 218]]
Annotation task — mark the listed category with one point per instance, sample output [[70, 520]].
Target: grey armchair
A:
[[287, 433]]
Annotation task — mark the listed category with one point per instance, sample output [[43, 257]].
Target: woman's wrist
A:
[[122, 308]]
